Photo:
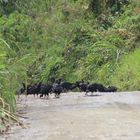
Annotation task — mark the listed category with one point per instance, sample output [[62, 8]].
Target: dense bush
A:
[[42, 39]]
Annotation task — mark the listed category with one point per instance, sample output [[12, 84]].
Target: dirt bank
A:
[[109, 116]]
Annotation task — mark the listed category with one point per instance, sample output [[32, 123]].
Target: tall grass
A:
[[127, 74], [7, 87]]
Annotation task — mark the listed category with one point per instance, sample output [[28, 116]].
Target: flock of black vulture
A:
[[60, 86]]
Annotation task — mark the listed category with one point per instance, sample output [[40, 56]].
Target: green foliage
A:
[[97, 6], [99, 62], [7, 6], [6, 87], [42, 39], [127, 74]]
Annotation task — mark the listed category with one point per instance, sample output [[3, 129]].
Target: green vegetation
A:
[[74, 39], [128, 72]]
